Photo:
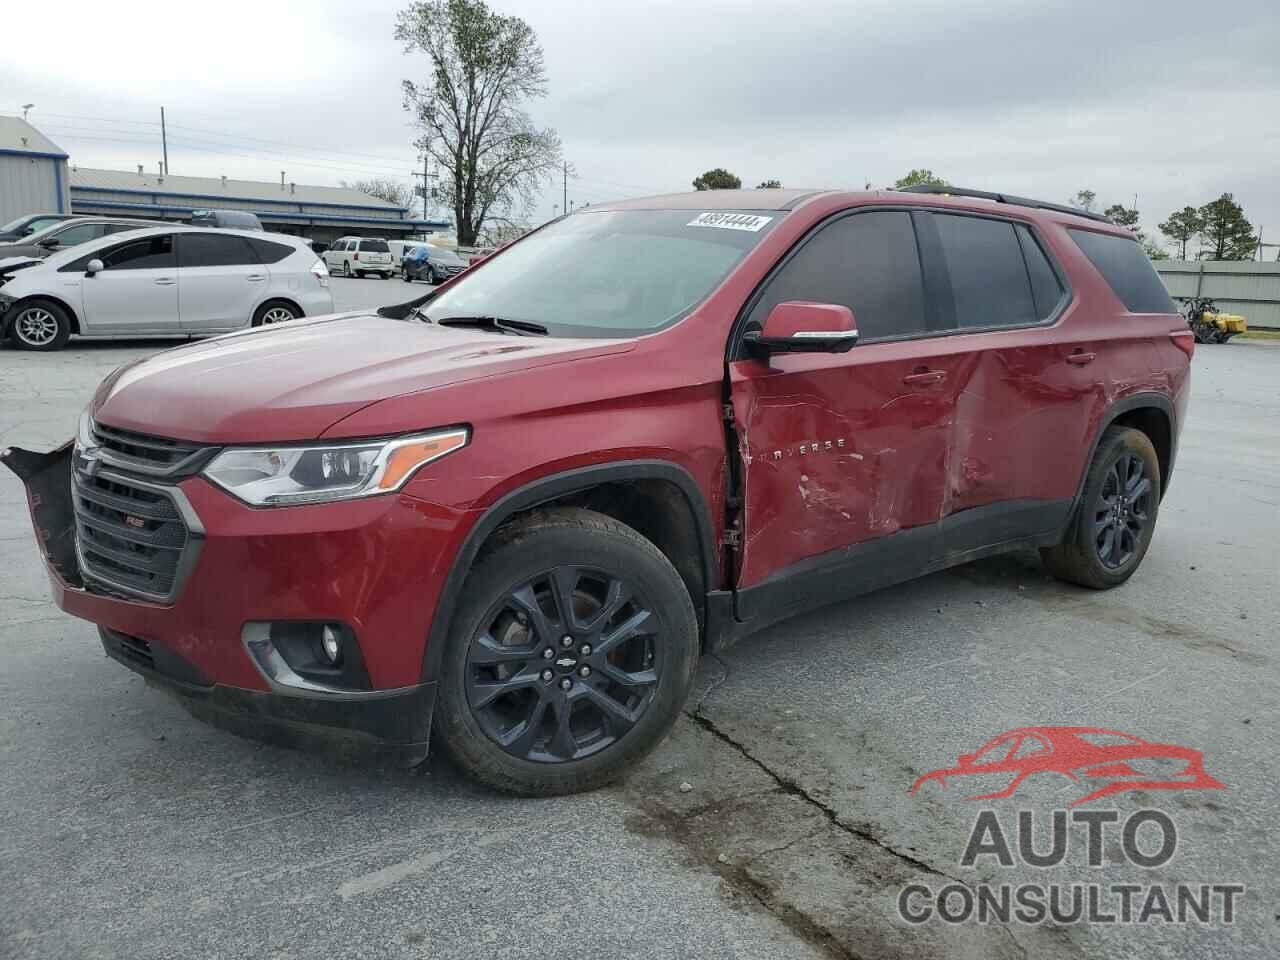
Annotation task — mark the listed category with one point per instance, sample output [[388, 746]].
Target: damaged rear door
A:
[[839, 451]]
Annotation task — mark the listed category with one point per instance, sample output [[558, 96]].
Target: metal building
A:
[[318, 213], [33, 172], [1236, 286]]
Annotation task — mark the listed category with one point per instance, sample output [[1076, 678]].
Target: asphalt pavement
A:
[[128, 829]]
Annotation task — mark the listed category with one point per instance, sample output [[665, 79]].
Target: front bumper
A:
[[375, 565], [393, 726]]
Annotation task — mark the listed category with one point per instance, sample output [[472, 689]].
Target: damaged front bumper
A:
[[151, 640]]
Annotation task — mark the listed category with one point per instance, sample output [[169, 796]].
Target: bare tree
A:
[[384, 188], [482, 67]]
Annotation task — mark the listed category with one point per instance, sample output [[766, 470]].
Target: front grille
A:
[[131, 536], [154, 455]]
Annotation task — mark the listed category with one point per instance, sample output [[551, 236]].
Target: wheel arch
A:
[[12, 312], [629, 491], [1151, 413]]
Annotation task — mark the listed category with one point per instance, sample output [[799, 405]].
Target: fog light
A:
[[331, 644]]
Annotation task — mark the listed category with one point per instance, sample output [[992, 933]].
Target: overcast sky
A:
[[1176, 102]]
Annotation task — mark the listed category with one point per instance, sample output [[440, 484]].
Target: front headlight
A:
[[284, 475]]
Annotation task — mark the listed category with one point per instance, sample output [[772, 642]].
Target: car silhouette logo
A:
[[1108, 760]]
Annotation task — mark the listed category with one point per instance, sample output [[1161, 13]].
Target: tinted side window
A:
[[989, 280], [80, 233], [153, 253], [269, 251], [213, 250], [1046, 288], [867, 262], [1126, 268]]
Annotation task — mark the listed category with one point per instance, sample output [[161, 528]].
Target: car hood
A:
[[24, 250], [296, 380], [9, 264]]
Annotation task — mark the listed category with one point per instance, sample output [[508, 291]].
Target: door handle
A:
[[255, 278], [165, 281], [1080, 358], [925, 377]]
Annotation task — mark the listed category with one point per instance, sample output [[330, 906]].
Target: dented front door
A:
[[840, 449]]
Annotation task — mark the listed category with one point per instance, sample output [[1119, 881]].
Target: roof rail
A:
[[1005, 198]]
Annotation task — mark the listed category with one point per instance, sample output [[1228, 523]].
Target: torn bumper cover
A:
[[389, 725]]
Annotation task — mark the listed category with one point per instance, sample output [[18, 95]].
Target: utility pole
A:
[[164, 140], [566, 187]]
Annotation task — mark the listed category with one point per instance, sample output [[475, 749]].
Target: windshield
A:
[[444, 256], [12, 225], [609, 273]]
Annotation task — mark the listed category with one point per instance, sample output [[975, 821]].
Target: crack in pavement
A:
[[790, 786], [804, 925]]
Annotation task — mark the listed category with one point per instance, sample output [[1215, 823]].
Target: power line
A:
[[142, 140], [225, 135]]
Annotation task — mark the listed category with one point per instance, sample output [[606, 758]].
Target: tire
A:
[[493, 673], [346, 268], [405, 276], [1115, 499], [273, 311], [431, 276], [40, 325]]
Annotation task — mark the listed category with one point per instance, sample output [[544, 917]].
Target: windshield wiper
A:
[[518, 327]]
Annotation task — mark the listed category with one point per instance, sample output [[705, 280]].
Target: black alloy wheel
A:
[[1121, 511], [569, 658], [1111, 529], [564, 665]]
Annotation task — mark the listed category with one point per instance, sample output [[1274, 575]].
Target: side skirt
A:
[[875, 564]]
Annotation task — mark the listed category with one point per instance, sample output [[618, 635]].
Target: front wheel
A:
[[570, 656], [405, 276], [40, 325], [1116, 518]]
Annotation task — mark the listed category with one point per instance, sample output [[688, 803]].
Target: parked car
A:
[[229, 219], [25, 226], [432, 264], [359, 257], [68, 233], [165, 281], [399, 250], [512, 513]]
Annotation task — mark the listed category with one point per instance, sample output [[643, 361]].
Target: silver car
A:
[[160, 282]]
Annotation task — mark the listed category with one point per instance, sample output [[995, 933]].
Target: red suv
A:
[[514, 512]]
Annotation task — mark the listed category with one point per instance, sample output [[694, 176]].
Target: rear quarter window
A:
[[269, 251], [1127, 271]]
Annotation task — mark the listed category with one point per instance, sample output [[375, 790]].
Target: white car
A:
[[163, 281], [359, 256]]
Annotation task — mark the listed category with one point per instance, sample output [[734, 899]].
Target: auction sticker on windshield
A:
[[730, 221]]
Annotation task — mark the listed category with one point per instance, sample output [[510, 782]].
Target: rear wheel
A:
[[275, 311], [570, 657], [1116, 519], [40, 325]]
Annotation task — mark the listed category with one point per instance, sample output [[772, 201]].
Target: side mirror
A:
[[93, 266], [797, 327], [50, 243]]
